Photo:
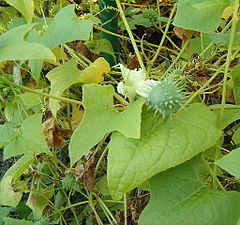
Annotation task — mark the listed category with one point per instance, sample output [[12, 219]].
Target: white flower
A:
[[134, 82]]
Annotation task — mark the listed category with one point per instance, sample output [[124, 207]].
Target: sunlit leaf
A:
[[228, 117], [30, 99], [7, 134], [95, 72], [3, 212], [18, 168], [9, 196]]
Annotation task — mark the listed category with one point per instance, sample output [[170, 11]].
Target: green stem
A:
[[206, 84], [84, 61], [212, 173], [120, 99], [163, 38], [99, 221], [105, 208], [139, 57], [230, 178], [125, 210], [177, 58], [137, 41], [8, 141], [229, 55], [6, 81], [228, 106]]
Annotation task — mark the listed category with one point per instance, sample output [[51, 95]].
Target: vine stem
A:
[[213, 174], [163, 37], [139, 57], [226, 106], [226, 69], [125, 210], [207, 83], [137, 41], [229, 56], [177, 58], [10, 83]]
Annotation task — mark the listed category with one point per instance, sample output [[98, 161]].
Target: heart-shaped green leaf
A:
[[179, 198], [163, 144]]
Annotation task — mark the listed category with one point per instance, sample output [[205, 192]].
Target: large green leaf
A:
[[100, 117], [30, 139], [163, 144], [66, 27], [231, 162], [14, 47], [179, 198], [205, 14], [26, 7]]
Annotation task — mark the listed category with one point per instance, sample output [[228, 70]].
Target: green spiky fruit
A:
[[166, 97], [151, 15]]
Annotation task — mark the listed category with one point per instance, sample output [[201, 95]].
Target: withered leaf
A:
[[54, 133], [185, 34]]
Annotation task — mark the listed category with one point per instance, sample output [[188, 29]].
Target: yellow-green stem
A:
[[139, 57], [163, 38], [6, 81], [229, 56]]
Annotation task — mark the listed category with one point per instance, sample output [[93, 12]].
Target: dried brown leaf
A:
[[185, 34], [54, 133]]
